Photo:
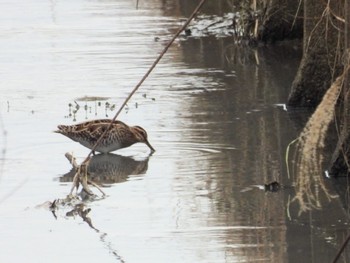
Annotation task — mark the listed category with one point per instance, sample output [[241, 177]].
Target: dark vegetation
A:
[[321, 84], [323, 28]]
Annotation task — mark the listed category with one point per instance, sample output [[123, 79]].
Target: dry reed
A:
[[310, 184]]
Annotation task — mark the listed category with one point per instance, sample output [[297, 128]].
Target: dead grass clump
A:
[[311, 142]]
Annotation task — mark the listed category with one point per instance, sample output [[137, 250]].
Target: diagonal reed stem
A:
[[346, 241], [194, 13]]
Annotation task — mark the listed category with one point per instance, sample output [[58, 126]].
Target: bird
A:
[[118, 136]]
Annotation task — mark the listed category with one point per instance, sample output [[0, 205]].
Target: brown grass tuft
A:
[[311, 142]]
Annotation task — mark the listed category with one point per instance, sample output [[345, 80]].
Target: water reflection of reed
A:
[[110, 169]]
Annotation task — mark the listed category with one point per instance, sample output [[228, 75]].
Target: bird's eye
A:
[[142, 132]]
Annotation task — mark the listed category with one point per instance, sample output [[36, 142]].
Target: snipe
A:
[[120, 135]]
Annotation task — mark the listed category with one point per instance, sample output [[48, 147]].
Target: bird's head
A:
[[141, 136]]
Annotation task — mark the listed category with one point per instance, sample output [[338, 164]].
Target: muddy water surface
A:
[[211, 112]]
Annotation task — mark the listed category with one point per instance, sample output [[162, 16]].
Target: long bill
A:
[[150, 146]]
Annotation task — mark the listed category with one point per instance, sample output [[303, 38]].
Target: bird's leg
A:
[[83, 174], [75, 182]]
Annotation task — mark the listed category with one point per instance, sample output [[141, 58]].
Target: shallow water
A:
[[210, 109]]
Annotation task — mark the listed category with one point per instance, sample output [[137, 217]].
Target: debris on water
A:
[[251, 187], [92, 98], [283, 106], [91, 107], [272, 187], [326, 173], [77, 106], [219, 26], [188, 32], [75, 206]]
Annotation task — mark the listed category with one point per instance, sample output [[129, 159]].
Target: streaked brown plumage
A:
[[120, 135]]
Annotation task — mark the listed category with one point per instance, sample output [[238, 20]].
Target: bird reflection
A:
[[110, 169]]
